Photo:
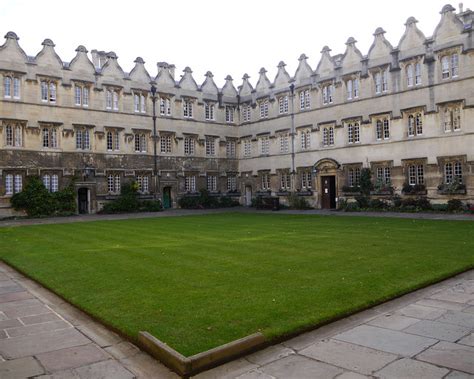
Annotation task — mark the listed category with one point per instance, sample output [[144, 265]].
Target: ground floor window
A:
[[113, 183], [265, 182], [212, 183], [231, 183], [353, 177], [453, 172], [285, 181], [13, 184], [143, 183], [190, 183], [51, 182], [384, 175], [416, 175], [306, 179]]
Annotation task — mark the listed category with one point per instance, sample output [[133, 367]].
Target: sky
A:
[[224, 37]]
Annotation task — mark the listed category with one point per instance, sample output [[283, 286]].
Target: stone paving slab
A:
[[394, 322], [20, 368], [452, 355], [438, 330], [410, 368]]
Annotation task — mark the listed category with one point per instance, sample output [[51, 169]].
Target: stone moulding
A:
[[186, 366]]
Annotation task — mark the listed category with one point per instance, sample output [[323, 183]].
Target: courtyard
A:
[[197, 282]]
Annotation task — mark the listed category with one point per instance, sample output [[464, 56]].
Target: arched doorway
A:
[[83, 200], [248, 196], [326, 170], [167, 200]]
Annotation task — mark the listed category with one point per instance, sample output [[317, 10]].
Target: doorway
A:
[[248, 196], [167, 197], [83, 200], [328, 192]]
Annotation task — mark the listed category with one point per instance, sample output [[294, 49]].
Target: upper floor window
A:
[[139, 103], [229, 113], [113, 140], [453, 172], [246, 112], [263, 109], [81, 95], [384, 175], [140, 142], [190, 183], [265, 181], [189, 145], [14, 135], [112, 99], [328, 94], [209, 111], [212, 183], [113, 183], [11, 87], [264, 145], [210, 146], [51, 182], [230, 149], [413, 73], [305, 99], [452, 118], [284, 143], [283, 104], [165, 106], [247, 148], [13, 184], [353, 132], [305, 136], [382, 128], [143, 183], [285, 181], [50, 137], [416, 174], [48, 91], [187, 109], [352, 87], [415, 124], [306, 180], [328, 136], [381, 81], [450, 66], [165, 144], [231, 183], [82, 139], [353, 177], [410, 75]]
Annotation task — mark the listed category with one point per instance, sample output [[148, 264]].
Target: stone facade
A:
[[405, 112]]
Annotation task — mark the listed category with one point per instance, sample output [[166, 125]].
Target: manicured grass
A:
[[200, 281]]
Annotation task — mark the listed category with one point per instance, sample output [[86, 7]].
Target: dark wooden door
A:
[[328, 195], [83, 200], [167, 197]]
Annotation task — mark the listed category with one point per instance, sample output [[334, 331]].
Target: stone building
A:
[[406, 112]]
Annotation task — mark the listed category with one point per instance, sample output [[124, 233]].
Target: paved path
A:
[[428, 333], [190, 212], [41, 336], [425, 334]]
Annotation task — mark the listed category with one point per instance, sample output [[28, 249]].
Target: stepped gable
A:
[[209, 89], [325, 68], [282, 78], [379, 52], [139, 75], [352, 57], [229, 92], [304, 72]]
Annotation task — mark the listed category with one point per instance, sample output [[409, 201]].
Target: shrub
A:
[[418, 204], [378, 204], [342, 204], [409, 189], [455, 205], [352, 207], [362, 201], [365, 181], [205, 200], [37, 201], [227, 202], [396, 201], [129, 202], [348, 189], [298, 202]]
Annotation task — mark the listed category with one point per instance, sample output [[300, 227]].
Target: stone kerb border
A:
[[186, 366]]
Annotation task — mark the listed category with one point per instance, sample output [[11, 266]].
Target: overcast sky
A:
[[225, 37]]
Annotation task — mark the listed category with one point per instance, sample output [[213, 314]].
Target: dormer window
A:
[[139, 103], [305, 99], [413, 73], [381, 81], [246, 112], [187, 109], [229, 113], [352, 87], [283, 104], [209, 111], [450, 66], [112, 99], [81, 95], [11, 87], [165, 106], [48, 91], [263, 109], [328, 94]]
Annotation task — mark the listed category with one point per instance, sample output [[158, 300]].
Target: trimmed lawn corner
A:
[[198, 282]]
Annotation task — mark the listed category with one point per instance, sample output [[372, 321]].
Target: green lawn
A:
[[197, 282]]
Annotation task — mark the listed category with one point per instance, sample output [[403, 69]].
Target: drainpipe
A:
[[155, 157], [292, 97]]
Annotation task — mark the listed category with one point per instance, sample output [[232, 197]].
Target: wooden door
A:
[[328, 192]]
